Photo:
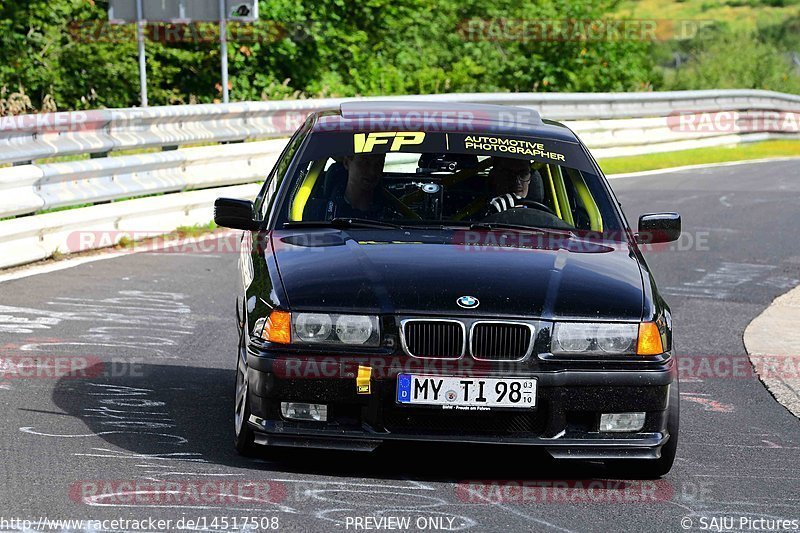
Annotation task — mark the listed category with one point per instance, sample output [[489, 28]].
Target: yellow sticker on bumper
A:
[[363, 379]]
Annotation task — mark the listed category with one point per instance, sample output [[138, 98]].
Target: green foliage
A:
[[785, 35], [770, 3], [720, 58], [64, 49], [195, 231], [63, 53]]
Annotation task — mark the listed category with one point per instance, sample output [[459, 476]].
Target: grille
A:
[[434, 421], [500, 341], [434, 338]]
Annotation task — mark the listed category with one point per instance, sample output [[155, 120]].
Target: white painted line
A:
[[99, 255], [55, 266]]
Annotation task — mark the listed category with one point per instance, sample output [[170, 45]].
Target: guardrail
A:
[[240, 151], [26, 138], [31, 188]]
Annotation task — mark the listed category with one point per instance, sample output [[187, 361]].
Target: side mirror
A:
[[658, 227], [235, 214]]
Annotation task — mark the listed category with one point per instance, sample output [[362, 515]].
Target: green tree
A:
[[723, 59], [320, 48]]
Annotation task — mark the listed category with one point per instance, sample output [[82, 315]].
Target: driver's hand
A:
[[504, 202]]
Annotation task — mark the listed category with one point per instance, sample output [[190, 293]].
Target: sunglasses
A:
[[519, 177]]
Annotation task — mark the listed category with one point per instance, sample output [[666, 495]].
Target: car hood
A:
[[410, 273]]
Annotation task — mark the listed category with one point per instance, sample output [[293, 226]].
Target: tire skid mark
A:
[[708, 403], [148, 321], [31, 431]]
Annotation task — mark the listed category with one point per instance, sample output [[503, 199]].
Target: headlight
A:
[[325, 328], [616, 338], [573, 338], [313, 327], [589, 338], [354, 329]]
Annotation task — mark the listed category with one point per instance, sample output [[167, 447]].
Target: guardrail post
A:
[[223, 45], [142, 60]]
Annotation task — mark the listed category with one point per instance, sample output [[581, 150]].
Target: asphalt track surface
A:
[[164, 410]]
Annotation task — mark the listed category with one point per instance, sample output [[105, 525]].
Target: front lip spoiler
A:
[[634, 446]]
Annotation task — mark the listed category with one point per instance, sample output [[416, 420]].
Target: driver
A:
[[361, 196], [509, 180]]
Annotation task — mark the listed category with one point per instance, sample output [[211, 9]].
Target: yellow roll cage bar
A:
[[555, 188]]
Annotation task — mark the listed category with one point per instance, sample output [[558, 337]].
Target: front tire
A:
[[243, 438]]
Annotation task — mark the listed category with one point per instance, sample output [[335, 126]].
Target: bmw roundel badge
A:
[[468, 302]]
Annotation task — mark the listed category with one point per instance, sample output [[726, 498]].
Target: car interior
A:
[[452, 188]]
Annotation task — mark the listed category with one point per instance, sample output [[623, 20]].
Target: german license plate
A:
[[461, 392]]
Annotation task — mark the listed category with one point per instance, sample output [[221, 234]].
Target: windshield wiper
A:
[[490, 226], [343, 223]]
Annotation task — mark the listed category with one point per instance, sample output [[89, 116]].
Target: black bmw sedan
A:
[[450, 272]]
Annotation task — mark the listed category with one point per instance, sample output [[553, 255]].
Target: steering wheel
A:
[[535, 205]]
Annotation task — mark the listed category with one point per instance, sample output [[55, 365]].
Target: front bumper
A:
[[564, 423]]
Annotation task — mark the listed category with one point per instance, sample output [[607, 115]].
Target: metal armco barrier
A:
[[30, 137], [611, 124]]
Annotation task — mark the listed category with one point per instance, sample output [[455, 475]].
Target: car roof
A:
[[419, 115]]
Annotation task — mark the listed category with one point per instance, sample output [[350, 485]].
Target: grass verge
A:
[[197, 231], [699, 156], [740, 15], [181, 232]]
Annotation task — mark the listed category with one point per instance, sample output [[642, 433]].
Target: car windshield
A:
[[521, 189]]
